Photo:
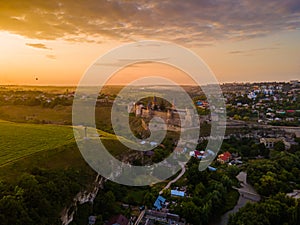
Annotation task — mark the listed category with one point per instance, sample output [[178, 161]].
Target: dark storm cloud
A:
[[193, 21]]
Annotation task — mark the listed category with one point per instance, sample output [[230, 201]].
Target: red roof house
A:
[[225, 157]]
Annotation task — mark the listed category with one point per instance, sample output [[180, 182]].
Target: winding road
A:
[[247, 193], [183, 169]]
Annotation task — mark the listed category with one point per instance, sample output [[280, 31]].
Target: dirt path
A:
[[183, 169]]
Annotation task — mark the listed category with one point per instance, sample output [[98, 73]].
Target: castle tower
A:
[[131, 107], [154, 102], [138, 109], [173, 104]]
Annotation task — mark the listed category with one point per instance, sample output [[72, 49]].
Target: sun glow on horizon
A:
[[58, 42]]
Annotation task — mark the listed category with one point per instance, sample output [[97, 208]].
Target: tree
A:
[[149, 199], [248, 215], [246, 118], [237, 117], [263, 150], [254, 150], [226, 181], [195, 176], [232, 171], [13, 211], [279, 146], [294, 148], [276, 210], [191, 212], [245, 150], [268, 184]]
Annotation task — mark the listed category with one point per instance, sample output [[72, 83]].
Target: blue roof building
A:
[[159, 202], [177, 193], [210, 168]]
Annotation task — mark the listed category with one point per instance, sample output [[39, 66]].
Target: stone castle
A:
[[170, 115]]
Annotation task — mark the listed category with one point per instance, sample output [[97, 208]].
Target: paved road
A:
[[289, 129], [247, 193], [183, 169], [140, 217]]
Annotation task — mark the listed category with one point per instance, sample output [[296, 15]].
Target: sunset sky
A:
[[56, 41]]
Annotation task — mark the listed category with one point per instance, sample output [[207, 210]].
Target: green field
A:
[[33, 114], [57, 115], [20, 140], [25, 146]]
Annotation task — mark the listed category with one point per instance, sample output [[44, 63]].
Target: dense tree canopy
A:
[[38, 197], [277, 210]]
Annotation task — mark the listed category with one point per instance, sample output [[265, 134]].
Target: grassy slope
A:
[[20, 140], [25, 146], [63, 157]]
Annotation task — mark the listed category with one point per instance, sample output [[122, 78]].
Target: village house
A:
[[270, 142], [224, 158], [177, 193]]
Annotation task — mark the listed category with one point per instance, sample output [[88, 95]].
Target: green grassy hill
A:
[[20, 140], [25, 146]]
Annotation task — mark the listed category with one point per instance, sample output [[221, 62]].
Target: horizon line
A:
[[121, 84]]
